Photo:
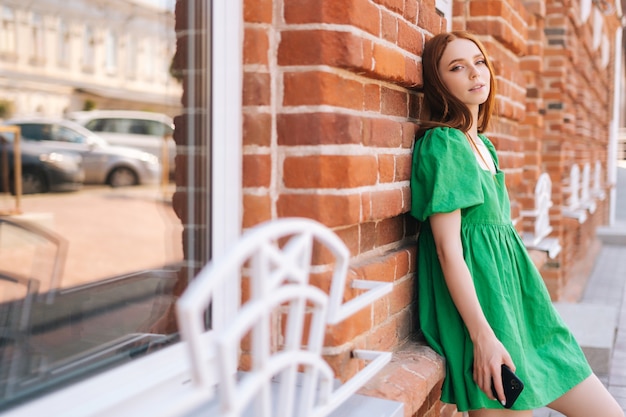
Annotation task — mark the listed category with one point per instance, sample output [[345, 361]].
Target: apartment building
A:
[[60, 56]]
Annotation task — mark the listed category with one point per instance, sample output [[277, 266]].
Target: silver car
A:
[[116, 166], [148, 131]]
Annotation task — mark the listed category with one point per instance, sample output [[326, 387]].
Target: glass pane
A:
[[104, 236]]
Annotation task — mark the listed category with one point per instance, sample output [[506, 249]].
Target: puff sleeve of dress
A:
[[444, 175]]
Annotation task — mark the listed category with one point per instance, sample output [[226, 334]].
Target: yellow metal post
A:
[[17, 168]]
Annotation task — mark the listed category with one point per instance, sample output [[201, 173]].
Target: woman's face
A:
[[464, 72]]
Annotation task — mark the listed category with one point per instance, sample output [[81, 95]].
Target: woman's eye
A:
[[480, 62], [456, 68]]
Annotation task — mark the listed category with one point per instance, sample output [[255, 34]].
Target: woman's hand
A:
[[489, 356]]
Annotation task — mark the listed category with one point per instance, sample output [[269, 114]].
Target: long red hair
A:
[[445, 109]]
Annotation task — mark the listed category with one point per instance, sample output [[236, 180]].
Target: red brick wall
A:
[[330, 104]]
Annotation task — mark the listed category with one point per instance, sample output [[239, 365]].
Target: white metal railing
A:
[[540, 214], [598, 189], [586, 199], [573, 208]]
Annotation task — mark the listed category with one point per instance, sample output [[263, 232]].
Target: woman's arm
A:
[[489, 353]]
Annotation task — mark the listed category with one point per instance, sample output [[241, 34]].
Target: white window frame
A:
[[143, 386], [89, 46], [445, 8], [63, 36], [37, 37], [8, 30], [132, 48], [111, 51]]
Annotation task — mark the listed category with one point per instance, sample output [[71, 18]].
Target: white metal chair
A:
[[285, 318]]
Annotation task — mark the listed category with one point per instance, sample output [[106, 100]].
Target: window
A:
[[38, 42], [102, 327], [149, 59], [63, 57], [7, 31], [89, 42], [111, 52], [131, 57]]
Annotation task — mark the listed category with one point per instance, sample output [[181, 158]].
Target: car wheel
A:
[[122, 177], [33, 183]]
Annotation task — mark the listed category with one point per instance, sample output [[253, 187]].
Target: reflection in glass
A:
[[88, 278]]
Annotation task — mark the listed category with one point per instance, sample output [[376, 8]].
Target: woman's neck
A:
[[473, 129]]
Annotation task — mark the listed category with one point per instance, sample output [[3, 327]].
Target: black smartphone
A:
[[513, 386]]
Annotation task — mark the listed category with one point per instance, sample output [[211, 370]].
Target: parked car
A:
[[42, 171], [148, 131], [116, 166]]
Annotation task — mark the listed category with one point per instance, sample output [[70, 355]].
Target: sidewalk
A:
[[606, 286]]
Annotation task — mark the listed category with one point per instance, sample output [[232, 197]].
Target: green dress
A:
[[446, 176]]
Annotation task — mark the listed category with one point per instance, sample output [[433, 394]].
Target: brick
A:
[[257, 170], [367, 239], [409, 130], [322, 47], [351, 238], [256, 209], [411, 9], [403, 164], [488, 8], [329, 171], [257, 11], [318, 129], [389, 230], [384, 204], [256, 89], [413, 75], [257, 128], [389, 64], [410, 38], [359, 13], [382, 268], [429, 19], [386, 168], [372, 97], [255, 46], [389, 29], [393, 102], [383, 337], [322, 88], [396, 6], [331, 210], [402, 295], [347, 330], [382, 133]]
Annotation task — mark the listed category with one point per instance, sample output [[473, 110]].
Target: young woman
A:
[[482, 302]]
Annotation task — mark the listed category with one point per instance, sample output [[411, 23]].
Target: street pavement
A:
[[606, 287]]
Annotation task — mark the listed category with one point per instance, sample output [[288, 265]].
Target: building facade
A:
[[309, 108], [330, 106], [58, 56]]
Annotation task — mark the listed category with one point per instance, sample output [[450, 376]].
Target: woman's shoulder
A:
[[443, 137]]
